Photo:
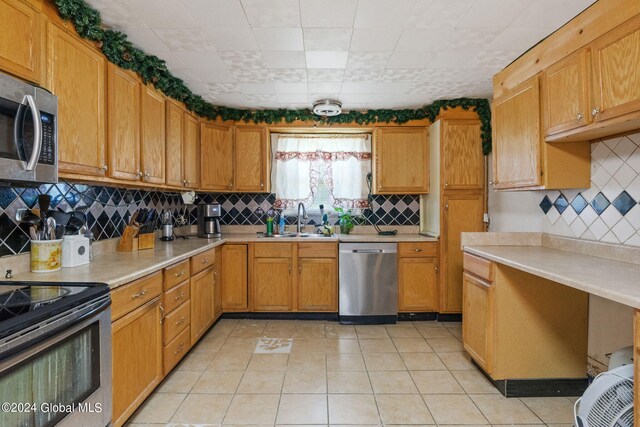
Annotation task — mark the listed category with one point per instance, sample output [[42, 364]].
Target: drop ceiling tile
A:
[[537, 14], [325, 74], [216, 75], [368, 59], [327, 59], [375, 40], [438, 13], [217, 13], [493, 13], [243, 60], [257, 88], [423, 39], [289, 88], [162, 14], [393, 88], [363, 74], [383, 13], [185, 40], [261, 98], [454, 75], [354, 98], [200, 59], [272, 13], [470, 38], [357, 88], [231, 99], [147, 40], [116, 15], [248, 75], [493, 60], [328, 13], [293, 98], [337, 39], [313, 97], [400, 75], [279, 38], [284, 59], [518, 38], [170, 59], [232, 38], [222, 87], [289, 75], [324, 87], [407, 59], [451, 59]]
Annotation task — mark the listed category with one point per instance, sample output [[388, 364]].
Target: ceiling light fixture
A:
[[327, 107]]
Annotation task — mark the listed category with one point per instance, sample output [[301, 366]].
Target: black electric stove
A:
[[26, 304]]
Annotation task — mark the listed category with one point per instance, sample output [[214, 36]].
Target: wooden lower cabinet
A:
[[477, 325], [202, 303], [317, 284], [234, 278], [272, 284], [137, 358], [417, 284]]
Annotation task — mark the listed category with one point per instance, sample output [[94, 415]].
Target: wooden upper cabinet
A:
[[152, 149], [461, 155], [216, 156], [565, 94], [616, 67], [123, 109], [251, 159], [76, 74], [191, 151], [174, 148], [21, 44], [400, 160], [516, 139]]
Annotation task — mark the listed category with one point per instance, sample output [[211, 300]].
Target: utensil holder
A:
[[46, 255], [128, 242], [146, 241]]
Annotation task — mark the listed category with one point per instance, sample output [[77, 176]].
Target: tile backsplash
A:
[[609, 210], [108, 209]]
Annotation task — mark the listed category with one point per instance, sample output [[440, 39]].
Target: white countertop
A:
[[607, 278]]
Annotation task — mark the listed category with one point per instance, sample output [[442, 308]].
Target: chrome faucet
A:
[[302, 216]]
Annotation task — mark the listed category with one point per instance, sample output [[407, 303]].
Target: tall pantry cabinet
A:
[[456, 203]]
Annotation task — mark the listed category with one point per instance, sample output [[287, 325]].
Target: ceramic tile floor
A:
[[255, 372]]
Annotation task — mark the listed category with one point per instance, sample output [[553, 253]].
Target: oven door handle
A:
[[37, 132]]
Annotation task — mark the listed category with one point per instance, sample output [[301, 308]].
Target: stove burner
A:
[[23, 300]]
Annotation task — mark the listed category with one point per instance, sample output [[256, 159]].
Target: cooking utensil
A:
[[51, 228], [44, 201], [33, 232], [59, 231], [31, 219], [62, 218]]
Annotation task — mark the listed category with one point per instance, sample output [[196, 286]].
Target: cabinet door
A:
[[174, 144], [77, 76], [21, 42], [565, 94], [216, 149], [202, 303], [616, 65], [272, 284], [516, 137], [217, 284], [401, 161], [153, 136], [234, 278], [417, 284], [462, 159], [136, 359], [477, 326], [251, 159], [191, 151], [123, 109], [317, 284], [462, 213]]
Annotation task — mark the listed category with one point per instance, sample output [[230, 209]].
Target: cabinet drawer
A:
[[273, 250], [176, 296], [418, 249], [135, 294], [479, 266], [175, 350], [176, 321], [317, 250], [175, 274], [202, 261]]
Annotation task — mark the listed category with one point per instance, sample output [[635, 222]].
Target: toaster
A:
[[75, 251]]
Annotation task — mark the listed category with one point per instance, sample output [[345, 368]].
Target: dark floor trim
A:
[[282, 316], [449, 317], [543, 387], [368, 320], [404, 317]]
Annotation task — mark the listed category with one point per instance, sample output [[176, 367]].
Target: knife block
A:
[[128, 242], [146, 241]]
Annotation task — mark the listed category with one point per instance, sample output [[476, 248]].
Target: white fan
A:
[[608, 401]]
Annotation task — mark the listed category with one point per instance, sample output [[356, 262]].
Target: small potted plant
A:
[[346, 220]]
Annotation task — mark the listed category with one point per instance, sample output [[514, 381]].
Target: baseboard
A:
[[449, 317], [281, 316], [368, 320], [404, 317]]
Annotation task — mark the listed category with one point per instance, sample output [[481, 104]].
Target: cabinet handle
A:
[[262, 185], [179, 349], [181, 321], [184, 182], [180, 274], [161, 314], [146, 175], [490, 182], [446, 207], [204, 261], [289, 268], [299, 269], [446, 184], [139, 294], [179, 297], [103, 168], [595, 112], [580, 116], [418, 250], [230, 184], [188, 182], [436, 269], [138, 174]]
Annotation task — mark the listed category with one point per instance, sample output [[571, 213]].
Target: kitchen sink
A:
[[277, 236]]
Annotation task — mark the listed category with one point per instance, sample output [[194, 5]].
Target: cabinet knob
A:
[[146, 175], [580, 116], [179, 297], [299, 269], [188, 182], [184, 182], [446, 184], [418, 250], [103, 168], [595, 112], [289, 268], [138, 173], [490, 182], [206, 260], [262, 185], [230, 184]]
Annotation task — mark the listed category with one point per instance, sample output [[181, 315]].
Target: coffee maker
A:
[[166, 232], [209, 220]]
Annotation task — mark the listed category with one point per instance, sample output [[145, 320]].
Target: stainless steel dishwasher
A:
[[368, 283]]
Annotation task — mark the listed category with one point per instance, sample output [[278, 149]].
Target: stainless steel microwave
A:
[[28, 133]]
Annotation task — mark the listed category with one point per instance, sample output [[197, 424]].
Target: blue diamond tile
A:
[[7, 195], [561, 203], [579, 203], [624, 203], [600, 203], [546, 204]]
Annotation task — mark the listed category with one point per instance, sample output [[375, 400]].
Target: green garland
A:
[[121, 52]]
